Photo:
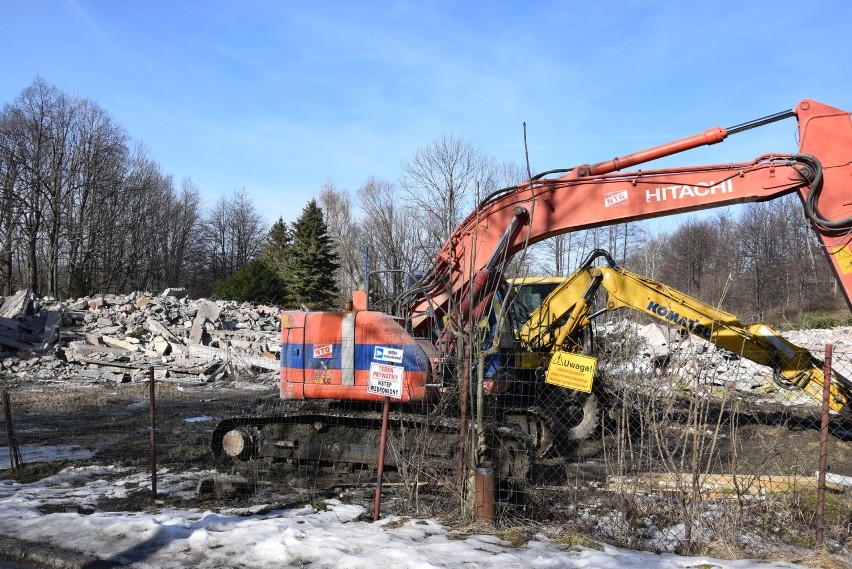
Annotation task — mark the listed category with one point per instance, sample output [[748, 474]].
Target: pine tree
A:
[[276, 251], [313, 261]]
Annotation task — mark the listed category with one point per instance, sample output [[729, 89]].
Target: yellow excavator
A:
[[559, 324]]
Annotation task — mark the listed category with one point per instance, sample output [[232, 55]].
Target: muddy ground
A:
[[58, 424]]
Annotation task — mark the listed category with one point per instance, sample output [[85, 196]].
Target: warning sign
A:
[[844, 259], [385, 380], [573, 371]]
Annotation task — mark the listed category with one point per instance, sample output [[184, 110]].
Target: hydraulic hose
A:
[[812, 175]]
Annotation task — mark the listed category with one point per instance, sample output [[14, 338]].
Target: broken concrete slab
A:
[[18, 305], [208, 311], [102, 375], [244, 359], [175, 292], [224, 485], [159, 329], [77, 349], [161, 346], [119, 343]]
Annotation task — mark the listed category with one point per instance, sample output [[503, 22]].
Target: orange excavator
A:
[[338, 367]]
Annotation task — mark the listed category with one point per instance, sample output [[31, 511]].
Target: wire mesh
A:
[[687, 449]]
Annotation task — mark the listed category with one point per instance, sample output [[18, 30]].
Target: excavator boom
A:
[[600, 194]]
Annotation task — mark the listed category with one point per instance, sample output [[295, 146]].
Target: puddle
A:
[[31, 454], [199, 419]]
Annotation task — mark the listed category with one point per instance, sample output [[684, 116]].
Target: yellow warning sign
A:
[[573, 371], [844, 258]]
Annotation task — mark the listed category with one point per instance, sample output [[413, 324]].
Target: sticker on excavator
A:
[[844, 259], [385, 354], [573, 371], [323, 351], [616, 198], [385, 380]]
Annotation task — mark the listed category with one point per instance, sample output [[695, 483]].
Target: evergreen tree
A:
[[255, 282], [313, 261], [276, 252]]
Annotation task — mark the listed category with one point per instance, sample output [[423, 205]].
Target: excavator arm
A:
[[462, 277], [557, 323], [358, 355]]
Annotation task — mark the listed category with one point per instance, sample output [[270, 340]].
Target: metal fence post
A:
[[823, 450], [15, 459], [153, 414], [377, 506]]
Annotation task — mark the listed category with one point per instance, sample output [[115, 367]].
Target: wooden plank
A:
[[720, 485]]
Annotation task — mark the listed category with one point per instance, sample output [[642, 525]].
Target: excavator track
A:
[[334, 437]]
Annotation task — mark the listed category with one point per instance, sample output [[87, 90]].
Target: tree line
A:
[[86, 210]]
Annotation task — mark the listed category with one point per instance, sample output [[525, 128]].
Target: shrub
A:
[[255, 282]]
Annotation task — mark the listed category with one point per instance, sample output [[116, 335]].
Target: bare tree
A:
[[80, 212], [29, 125], [807, 282], [236, 234], [690, 255], [344, 230], [759, 222], [129, 252], [390, 232], [100, 157], [720, 281], [440, 181], [555, 255], [645, 256], [181, 222], [9, 200]]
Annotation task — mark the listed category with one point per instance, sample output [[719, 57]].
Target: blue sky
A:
[[280, 97]]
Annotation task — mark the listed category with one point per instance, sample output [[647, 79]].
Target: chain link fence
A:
[[694, 450]]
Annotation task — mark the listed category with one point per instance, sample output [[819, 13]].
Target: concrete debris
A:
[[673, 360], [224, 486], [18, 305], [121, 338], [175, 292], [830, 477]]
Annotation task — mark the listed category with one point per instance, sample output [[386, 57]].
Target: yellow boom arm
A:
[[558, 322]]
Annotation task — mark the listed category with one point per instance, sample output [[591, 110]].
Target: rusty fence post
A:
[[823, 450], [485, 509], [153, 413], [377, 506], [15, 459]]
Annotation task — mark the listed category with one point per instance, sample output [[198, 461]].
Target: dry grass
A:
[[821, 560]]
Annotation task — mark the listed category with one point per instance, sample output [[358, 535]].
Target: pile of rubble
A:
[[123, 338], [675, 360]]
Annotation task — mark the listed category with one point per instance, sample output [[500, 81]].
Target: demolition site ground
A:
[[109, 424]]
